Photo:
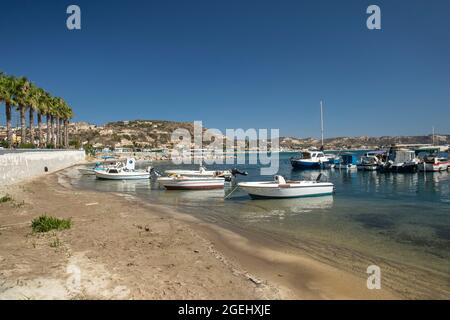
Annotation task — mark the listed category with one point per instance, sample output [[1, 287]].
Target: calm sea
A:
[[400, 222]]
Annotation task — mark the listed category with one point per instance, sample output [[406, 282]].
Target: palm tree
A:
[[33, 102], [7, 86], [67, 114], [48, 100], [41, 110], [22, 93]]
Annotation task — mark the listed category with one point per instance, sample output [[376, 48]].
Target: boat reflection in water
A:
[[282, 208]]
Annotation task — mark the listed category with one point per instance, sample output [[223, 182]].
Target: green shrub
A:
[[45, 223], [26, 146], [6, 198]]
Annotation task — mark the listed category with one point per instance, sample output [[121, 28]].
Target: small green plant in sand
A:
[[55, 243], [6, 198], [45, 223]]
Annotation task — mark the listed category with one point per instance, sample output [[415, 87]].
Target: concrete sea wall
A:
[[15, 167]]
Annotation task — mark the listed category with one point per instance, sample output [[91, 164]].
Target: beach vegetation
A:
[[46, 223], [6, 198], [55, 243]]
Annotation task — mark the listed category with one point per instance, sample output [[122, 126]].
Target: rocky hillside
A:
[[157, 133], [362, 142]]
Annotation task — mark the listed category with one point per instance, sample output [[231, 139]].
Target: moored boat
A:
[[126, 172], [310, 160], [434, 163], [401, 161], [372, 160], [201, 172], [280, 188], [191, 183], [347, 161], [99, 167]]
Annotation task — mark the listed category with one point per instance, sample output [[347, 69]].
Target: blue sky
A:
[[240, 63]]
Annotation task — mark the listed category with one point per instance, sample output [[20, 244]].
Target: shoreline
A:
[[120, 243]]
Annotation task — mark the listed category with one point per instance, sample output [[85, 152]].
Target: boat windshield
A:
[[306, 155]]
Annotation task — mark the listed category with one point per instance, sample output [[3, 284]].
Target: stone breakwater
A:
[[15, 167]]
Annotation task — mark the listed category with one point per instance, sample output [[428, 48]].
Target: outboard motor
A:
[[235, 172], [154, 172]]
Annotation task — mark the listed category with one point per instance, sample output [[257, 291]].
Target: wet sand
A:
[[122, 248]]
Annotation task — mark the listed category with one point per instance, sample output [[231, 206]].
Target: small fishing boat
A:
[[372, 160], [201, 172], [99, 167], [280, 188], [310, 160], [347, 161], [126, 172], [191, 183], [434, 163], [400, 160]]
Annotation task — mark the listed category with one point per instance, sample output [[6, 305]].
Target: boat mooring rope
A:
[[229, 194]]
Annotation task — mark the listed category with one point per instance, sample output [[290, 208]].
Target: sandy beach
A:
[[122, 248]]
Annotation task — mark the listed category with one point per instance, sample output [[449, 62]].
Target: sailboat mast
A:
[[321, 120]]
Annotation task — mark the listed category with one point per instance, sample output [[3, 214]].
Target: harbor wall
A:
[[15, 167]]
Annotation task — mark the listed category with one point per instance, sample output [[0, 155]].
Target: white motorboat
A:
[[126, 172], [191, 183], [372, 160], [99, 167], [280, 188], [310, 160], [434, 164], [201, 172]]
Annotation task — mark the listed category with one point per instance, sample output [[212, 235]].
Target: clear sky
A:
[[240, 63]]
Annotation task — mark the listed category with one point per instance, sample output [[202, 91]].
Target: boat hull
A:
[[367, 167], [301, 164], [122, 176], [409, 168], [433, 167], [256, 192], [345, 166], [191, 184]]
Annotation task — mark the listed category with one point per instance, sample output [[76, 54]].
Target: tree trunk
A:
[[39, 121], [8, 123], [49, 134], [23, 129], [61, 141], [66, 133], [58, 129], [31, 125], [53, 132]]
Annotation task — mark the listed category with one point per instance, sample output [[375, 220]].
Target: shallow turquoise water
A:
[[401, 220]]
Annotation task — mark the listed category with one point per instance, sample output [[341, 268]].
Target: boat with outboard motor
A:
[[125, 172], [201, 172], [400, 160], [100, 167], [347, 161], [191, 183], [434, 163], [280, 188], [372, 160], [310, 160]]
